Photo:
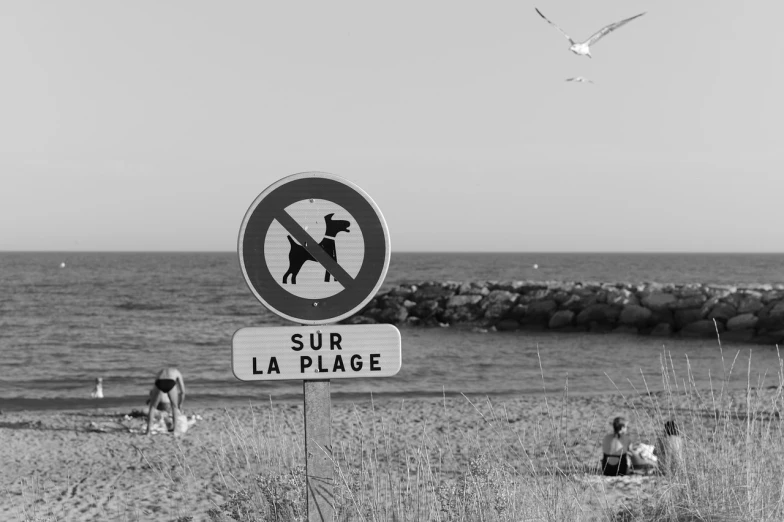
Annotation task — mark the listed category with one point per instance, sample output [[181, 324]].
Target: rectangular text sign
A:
[[332, 351]]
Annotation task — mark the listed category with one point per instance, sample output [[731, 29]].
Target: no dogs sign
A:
[[314, 248]]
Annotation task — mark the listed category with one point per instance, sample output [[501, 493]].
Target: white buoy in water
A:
[[62, 265], [536, 267]]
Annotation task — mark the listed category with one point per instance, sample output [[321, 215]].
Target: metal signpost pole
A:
[[319, 468]]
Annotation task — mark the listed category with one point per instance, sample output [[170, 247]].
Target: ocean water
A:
[[123, 316]]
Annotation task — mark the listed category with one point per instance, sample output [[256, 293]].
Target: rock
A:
[[662, 316], [536, 295], [701, 328], [732, 299], [538, 313], [691, 301], [778, 309], [508, 286], [599, 313], [709, 304], [507, 325], [430, 291], [770, 323], [561, 319], [577, 303], [662, 330], [621, 297], [773, 295], [750, 304], [720, 290], [651, 288], [462, 300], [742, 322], [518, 311], [634, 315], [425, 309], [530, 287], [560, 297], [373, 313], [470, 288], [744, 310], [722, 312], [460, 314], [690, 289], [393, 315], [765, 312], [684, 317], [541, 308], [497, 304], [359, 319], [402, 291], [658, 300], [391, 301]]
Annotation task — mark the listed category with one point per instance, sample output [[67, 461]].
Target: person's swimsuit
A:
[[165, 385], [621, 468]]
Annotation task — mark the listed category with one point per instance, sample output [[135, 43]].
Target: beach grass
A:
[[478, 459], [733, 461]]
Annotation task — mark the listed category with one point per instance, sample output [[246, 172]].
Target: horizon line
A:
[[679, 252]]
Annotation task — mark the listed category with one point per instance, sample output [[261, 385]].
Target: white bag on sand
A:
[[642, 450], [183, 422]]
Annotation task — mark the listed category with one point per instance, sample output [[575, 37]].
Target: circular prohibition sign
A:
[[271, 206]]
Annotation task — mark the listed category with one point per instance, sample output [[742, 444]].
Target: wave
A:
[[143, 306]]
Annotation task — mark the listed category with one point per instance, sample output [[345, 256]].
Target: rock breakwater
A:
[[745, 313]]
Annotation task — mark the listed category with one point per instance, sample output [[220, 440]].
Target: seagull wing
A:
[[608, 29], [549, 22]]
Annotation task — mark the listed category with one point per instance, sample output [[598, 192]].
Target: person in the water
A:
[[169, 388]]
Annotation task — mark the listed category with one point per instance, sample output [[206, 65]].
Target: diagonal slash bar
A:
[[314, 249]]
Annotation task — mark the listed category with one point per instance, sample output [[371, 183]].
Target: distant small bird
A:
[[98, 391], [536, 267], [583, 48], [62, 265], [578, 79]]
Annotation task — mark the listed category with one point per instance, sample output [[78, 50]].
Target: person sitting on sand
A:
[[670, 449], [615, 447], [169, 387]]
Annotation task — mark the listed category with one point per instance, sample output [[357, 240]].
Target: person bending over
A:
[[615, 447], [169, 387]]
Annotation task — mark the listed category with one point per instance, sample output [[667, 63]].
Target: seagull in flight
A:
[[578, 79], [583, 48]]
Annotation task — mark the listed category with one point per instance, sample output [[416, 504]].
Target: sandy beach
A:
[[97, 464]]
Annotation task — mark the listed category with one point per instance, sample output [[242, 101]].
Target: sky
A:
[[153, 126]]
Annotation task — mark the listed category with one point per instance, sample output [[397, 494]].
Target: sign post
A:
[[314, 249]]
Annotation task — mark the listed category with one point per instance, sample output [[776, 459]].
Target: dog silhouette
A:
[[298, 254]]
